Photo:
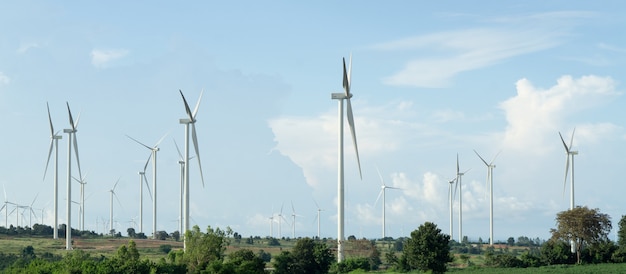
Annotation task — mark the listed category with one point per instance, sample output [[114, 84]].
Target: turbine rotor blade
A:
[[139, 142], [50, 120], [195, 146], [566, 173], [76, 153], [48, 161], [353, 133], [70, 113], [161, 140], [457, 163], [178, 150], [379, 194], [195, 110], [147, 162], [186, 106], [494, 157], [147, 185], [565, 145], [115, 185], [346, 81], [481, 158], [571, 142], [381, 176]]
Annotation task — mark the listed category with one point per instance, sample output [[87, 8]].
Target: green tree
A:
[[131, 232], [427, 249], [583, 226], [245, 261], [307, 256], [204, 248], [621, 233]]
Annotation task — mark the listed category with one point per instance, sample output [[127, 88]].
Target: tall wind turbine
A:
[[54, 142], [383, 187], [70, 133], [112, 191], [181, 162], [142, 179], [190, 120], [459, 180], [154, 150], [490, 167], [569, 154], [340, 97]]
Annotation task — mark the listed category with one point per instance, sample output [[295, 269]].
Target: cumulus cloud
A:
[[102, 57], [535, 114]]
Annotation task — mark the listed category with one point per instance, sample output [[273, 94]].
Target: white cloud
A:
[[24, 47], [102, 57], [4, 79], [535, 114]]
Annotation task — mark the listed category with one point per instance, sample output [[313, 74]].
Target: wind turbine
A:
[[31, 212], [70, 133], [280, 218], [459, 180], [181, 162], [81, 216], [340, 97], [142, 179], [293, 223], [190, 120], [112, 191], [569, 154], [54, 142], [271, 225], [490, 167], [451, 199], [383, 187], [6, 208], [318, 218], [154, 150]]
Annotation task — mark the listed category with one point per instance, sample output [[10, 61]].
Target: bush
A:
[[165, 248]]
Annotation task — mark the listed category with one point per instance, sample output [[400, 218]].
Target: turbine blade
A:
[[353, 133], [565, 145], [457, 163], [139, 142], [381, 176], [50, 120], [350, 72], [318, 207], [31, 204], [456, 186], [346, 82], [292, 209], [48, 161], [566, 173], [195, 146], [80, 174], [70, 113], [481, 158], [178, 150], [161, 140], [494, 157], [116, 182], [147, 162], [379, 194], [148, 186], [118, 200], [195, 110], [571, 142], [186, 106], [77, 119]]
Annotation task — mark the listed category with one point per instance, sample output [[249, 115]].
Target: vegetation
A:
[[427, 250], [582, 226]]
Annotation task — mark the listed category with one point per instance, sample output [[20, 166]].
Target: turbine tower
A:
[[154, 150], [191, 120], [459, 180], [54, 142], [318, 219], [293, 223], [490, 167], [142, 179], [112, 191], [81, 205], [451, 199], [340, 97], [70, 133], [383, 187], [569, 153]]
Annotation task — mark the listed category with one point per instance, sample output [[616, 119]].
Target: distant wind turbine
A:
[[490, 167], [112, 191], [81, 216], [142, 179], [70, 133], [181, 162], [154, 151], [569, 154], [293, 222], [54, 142], [383, 187], [459, 181], [451, 199], [190, 120], [318, 219], [346, 95], [6, 208]]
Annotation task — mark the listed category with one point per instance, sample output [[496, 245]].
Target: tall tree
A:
[[583, 226], [427, 249], [621, 233], [307, 256]]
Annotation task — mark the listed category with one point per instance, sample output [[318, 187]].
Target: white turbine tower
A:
[[6, 208], [81, 205], [569, 154], [280, 218], [154, 150], [451, 199], [293, 223], [383, 187], [54, 142], [490, 167], [459, 181], [318, 219], [181, 162], [340, 97], [190, 120], [112, 191], [70, 133], [272, 225], [142, 179]]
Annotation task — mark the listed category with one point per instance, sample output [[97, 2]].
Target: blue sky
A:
[[430, 80]]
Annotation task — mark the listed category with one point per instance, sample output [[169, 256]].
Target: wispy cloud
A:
[[24, 47], [100, 58], [4, 79]]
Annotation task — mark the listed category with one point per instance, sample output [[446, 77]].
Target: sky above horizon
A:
[[430, 81]]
